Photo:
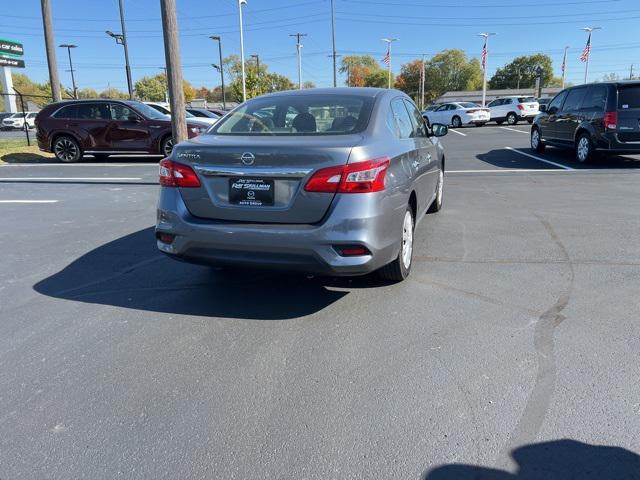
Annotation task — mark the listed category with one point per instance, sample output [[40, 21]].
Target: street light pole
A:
[[389, 42], [298, 48], [244, 77], [485, 59], [120, 40], [69, 46], [126, 51], [218, 39], [333, 41], [588, 50]]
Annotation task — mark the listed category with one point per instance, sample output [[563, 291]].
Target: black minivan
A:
[[591, 119]]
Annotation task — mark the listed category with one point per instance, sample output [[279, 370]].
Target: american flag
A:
[[587, 50], [484, 54], [387, 58]]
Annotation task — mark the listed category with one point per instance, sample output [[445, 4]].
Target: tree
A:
[[308, 84], [363, 71], [610, 77], [256, 82], [87, 93], [113, 93], [38, 93], [522, 70], [152, 88], [450, 70], [409, 79]]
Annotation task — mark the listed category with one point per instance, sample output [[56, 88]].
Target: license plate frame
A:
[[252, 192]]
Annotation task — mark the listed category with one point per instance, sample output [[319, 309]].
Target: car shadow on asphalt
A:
[[504, 158], [130, 272], [554, 460]]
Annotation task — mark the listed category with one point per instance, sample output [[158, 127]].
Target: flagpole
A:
[[588, 50], [389, 42], [564, 65], [485, 54]]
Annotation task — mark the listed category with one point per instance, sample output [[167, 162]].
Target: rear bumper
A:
[[609, 142], [371, 222]]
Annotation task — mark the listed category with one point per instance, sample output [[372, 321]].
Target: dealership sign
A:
[[10, 50]]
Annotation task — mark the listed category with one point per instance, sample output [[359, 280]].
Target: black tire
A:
[[397, 271], [499, 122], [584, 150], [480, 124], [512, 118], [436, 205], [530, 120], [536, 140], [101, 156], [166, 146], [456, 122], [66, 149]]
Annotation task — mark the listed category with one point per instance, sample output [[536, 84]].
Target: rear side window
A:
[[419, 129], [596, 99], [629, 97], [574, 99], [297, 115], [402, 118], [92, 111]]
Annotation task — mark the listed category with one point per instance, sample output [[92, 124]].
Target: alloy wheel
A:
[[407, 239], [66, 150], [535, 139], [168, 147], [583, 149]]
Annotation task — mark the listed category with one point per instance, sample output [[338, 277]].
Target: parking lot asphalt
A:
[[514, 345]]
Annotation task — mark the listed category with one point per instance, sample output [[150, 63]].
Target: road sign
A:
[[11, 62], [11, 48]]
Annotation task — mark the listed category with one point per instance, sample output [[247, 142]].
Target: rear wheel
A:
[[436, 205], [585, 152], [480, 124], [166, 147], [66, 149], [456, 122], [400, 268], [536, 140], [512, 119]]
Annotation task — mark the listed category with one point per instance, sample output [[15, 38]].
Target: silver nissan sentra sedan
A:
[[324, 181]]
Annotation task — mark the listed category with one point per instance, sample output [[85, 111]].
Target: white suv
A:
[[18, 120], [513, 109]]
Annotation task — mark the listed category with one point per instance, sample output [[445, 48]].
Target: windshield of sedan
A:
[[148, 111], [297, 115]]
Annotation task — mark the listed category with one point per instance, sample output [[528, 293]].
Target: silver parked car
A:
[[328, 181]]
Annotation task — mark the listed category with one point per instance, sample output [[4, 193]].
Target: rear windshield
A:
[[629, 97], [297, 115], [526, 99], [468, 105]]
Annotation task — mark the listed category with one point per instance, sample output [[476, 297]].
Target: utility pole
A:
[[587, 51], [387, 58], [244, 76], [126, 51], [485, 60], [257, 58], [69, 46], [299, 50], [218, 39], [51, 51], [564, 65], [631, 72], [333, 41], [174, 69]]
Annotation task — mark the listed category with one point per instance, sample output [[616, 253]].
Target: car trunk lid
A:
[[260, 178]]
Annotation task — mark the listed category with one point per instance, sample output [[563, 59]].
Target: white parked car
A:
[[163, 107], [18, 120], [458, 114], [513, 109]]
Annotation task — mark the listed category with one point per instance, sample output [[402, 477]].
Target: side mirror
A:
[[543, 108], [134, 118], [439, 130]]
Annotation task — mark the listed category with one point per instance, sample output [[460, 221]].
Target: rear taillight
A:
[[611, 120], [473, 110], [520, 107], [361, 177], [174, 174]]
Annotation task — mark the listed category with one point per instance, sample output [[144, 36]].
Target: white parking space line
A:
[[29, 201], [508, 170], [514, 130], [456, 131], [559, 165], [66, 179]]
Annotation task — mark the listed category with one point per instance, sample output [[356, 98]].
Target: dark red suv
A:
[[102, 127]]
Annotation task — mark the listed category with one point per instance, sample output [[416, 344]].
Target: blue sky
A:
[[523, 27]]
